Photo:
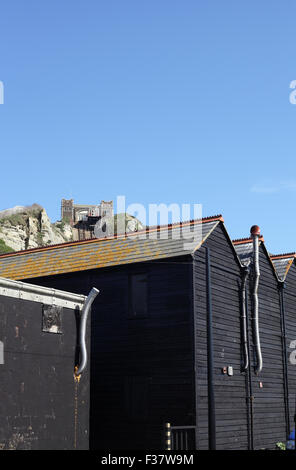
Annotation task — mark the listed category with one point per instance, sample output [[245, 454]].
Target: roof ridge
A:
[[185, 222], [283, 255], [241, 241], [117, 236]]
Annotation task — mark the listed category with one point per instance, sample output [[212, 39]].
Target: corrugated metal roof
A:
[[282, 264], [155, 243]]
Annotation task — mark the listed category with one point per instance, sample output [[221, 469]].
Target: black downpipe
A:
[[284, 357], [249, 374], [295, 427], [210, 350]]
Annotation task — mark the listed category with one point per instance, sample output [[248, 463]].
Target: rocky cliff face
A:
[[22, 228]]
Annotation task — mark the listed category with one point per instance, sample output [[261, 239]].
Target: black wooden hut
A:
[[267, 413], [285, 266], [150, 346], [42, 406]]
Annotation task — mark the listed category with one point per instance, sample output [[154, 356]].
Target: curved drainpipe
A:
[[255, 232], [82, 329]]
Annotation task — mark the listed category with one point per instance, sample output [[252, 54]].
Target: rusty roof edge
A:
[[290, 257], [206, 237], [119, 237], [283, 256], [290, 262], [242, 241]]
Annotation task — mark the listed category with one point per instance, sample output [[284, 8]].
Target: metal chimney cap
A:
[[255, 230]]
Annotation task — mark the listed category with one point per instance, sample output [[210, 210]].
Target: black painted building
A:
[[267, 414], [149, 336], [286, 270]]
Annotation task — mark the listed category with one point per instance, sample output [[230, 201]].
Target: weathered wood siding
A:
[[230, 392], [141, 369], [269, 401], [290, 320]]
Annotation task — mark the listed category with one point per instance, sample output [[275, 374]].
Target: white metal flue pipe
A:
[[255, 232]]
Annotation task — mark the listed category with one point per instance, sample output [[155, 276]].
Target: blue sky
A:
[[160, 101]]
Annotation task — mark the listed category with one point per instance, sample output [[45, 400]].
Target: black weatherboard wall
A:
[[230, 390], [286, 269], [141, 361], [142, 353], [41, 405]]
